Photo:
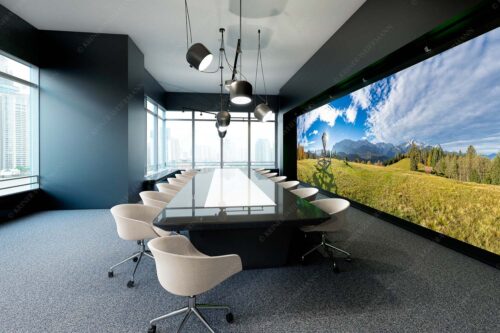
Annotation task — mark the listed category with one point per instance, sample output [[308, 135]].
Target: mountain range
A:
[[367, 151]]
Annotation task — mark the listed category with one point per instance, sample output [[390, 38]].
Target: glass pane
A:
[[150, 143], [179, 115], [161, 144], [18, 144], [179, 144], [236, 145], [150, 106], [15, 68], [207, 145], [263, 144], [239, 116], [161, 112]]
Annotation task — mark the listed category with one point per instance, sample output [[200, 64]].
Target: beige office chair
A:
[[168, 188], [185, 178], [278, 179], [307, 193], [258, 169], [271, 174], [177, 182], [189, 172], [155, 199], [289, 185], [337, 209], [184, 271], [262, 172], [134, 222]]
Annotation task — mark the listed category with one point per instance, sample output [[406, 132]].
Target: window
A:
[[262, 145], [179, 140], [235, 144], [207, 142], [18, 126], [209, 151], [156, 137]]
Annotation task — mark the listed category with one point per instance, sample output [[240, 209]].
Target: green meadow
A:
[[466, 211]]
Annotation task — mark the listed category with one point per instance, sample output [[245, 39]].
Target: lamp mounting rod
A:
[[238, 51]]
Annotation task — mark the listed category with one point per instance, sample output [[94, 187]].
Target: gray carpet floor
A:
[[53, 278]]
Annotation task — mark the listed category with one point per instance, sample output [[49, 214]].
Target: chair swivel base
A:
[[136, 257], [189, 310], [327, 247]]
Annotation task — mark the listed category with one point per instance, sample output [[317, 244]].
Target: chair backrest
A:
[[278, 179], [168, 188], [271, 174], [290, 185], [184, 271], [335, 207], [134, 221], [307, 193], [155, 199], [176, 182], [189, 172], [185, 178]]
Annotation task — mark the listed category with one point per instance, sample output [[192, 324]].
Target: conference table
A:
[[239, 211]]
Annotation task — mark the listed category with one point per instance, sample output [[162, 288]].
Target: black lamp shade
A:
[[263, 112], [222, 134], [240, 92], [199, 57], [223, 120]]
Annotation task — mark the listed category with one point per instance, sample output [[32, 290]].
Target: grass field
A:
[[466, 211]]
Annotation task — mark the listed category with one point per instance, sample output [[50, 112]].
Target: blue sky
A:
[[452, 99]]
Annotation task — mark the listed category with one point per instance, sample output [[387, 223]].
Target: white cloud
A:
[[315, 132], [351, 113], [362, 98], [452, 97]]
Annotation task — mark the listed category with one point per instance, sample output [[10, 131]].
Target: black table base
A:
[[258, 248]]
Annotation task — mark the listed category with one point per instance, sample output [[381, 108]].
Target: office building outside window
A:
[[191, 141], [19, 162]]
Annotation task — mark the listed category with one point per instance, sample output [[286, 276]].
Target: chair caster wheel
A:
[[110, 274], [139, 242], [135, 259], [229, 317], [152, 329], [130, 284], [348, 259]]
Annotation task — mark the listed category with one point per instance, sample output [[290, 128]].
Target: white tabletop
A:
[[232, 188]]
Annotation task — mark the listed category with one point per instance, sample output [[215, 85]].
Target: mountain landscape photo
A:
[[422, 144]]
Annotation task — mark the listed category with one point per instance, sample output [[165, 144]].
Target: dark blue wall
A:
[[137, 146], [153, 89], [18, 37], [84, 119]]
